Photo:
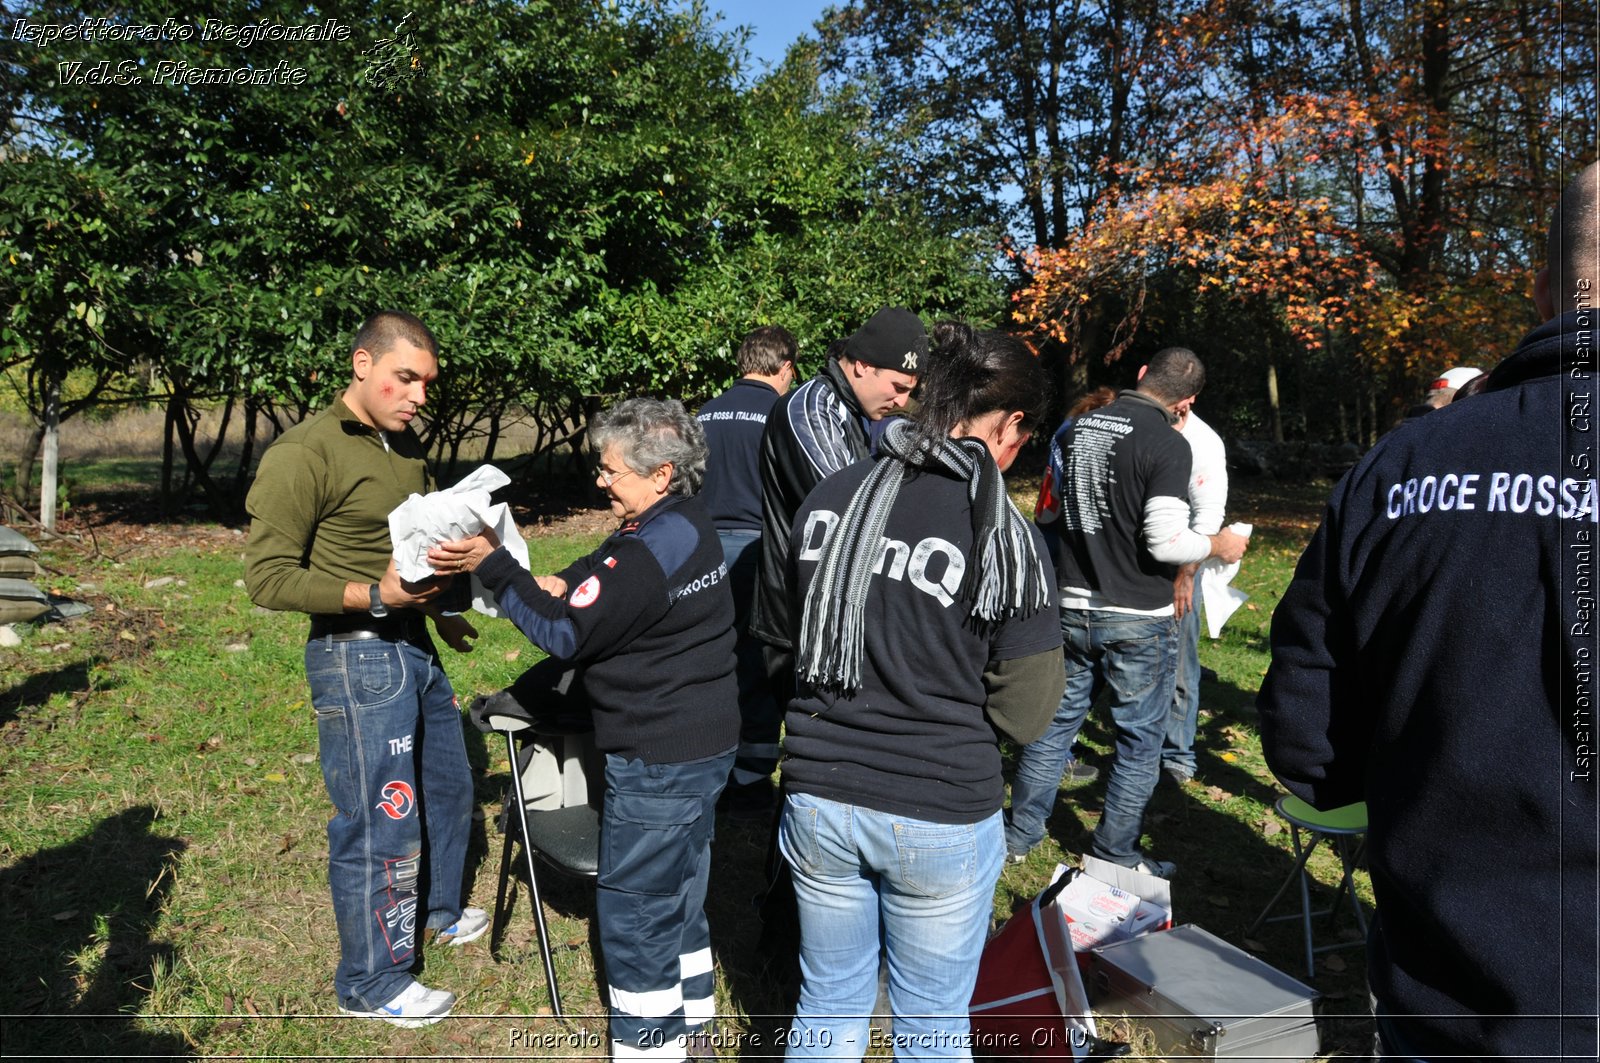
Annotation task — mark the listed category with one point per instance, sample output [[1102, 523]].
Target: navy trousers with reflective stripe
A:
[[655, 863]]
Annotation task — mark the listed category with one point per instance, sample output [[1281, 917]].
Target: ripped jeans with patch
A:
[[395, 764]]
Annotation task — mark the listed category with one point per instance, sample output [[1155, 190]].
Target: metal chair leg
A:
[[534, 900], [1305, 899], [1301, 856], [1348, 861], [1300, 861]]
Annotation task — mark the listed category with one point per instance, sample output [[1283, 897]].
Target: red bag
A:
[[1030, 1002]]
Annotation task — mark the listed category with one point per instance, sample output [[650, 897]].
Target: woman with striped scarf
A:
[[928, 628]]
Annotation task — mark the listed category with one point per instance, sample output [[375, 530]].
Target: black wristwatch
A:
[[377, 608]]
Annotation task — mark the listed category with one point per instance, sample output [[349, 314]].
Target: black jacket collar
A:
[[841, 384], [1565, 342]]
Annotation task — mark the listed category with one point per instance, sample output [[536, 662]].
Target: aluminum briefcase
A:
[[1199, 996]]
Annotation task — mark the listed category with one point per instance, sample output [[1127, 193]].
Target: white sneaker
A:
[[469, 927], [415, 1006]]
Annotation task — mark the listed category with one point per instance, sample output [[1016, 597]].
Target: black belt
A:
[[349, 627]]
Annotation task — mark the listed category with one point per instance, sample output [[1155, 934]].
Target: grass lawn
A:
[[162, 813]]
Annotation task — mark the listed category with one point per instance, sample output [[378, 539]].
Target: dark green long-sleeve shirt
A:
[[319, 509]]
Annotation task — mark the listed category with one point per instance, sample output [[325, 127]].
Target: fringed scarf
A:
[[1007, 579]]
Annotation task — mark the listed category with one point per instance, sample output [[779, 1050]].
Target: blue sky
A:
[[777, 23]]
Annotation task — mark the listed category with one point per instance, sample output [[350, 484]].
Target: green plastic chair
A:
[[1344, 826]]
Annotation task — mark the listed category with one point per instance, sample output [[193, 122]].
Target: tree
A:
[[63, 227], [1383, 199], [1021, 109], [580, 198]]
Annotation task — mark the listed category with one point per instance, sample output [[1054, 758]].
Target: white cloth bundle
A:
[[1218, 599], [457, 512]]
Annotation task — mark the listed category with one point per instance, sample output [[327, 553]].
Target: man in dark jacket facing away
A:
[[820, 428], [734, 423], [1434, 656]]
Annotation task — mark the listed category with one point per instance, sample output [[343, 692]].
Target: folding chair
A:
[[552, 803], [1342, 825]]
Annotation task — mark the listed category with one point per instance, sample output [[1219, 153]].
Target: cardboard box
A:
[[1106, 903]]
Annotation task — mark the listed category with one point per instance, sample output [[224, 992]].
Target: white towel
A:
[[1218, 599], [457, 512]]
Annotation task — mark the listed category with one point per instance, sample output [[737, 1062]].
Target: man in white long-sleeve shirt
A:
[[1208, 501], [1121, 531]]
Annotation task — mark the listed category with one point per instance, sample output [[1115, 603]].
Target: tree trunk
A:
[[217, 498], [1272, 402], [222, 435], [52, 454], [26, 460], [241, 477], [167, 431], [494, 436]]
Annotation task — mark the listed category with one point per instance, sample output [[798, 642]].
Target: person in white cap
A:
[[1442, 391]]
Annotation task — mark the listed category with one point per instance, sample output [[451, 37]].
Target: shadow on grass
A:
[[79, 942], [762, 977], [37, 689]]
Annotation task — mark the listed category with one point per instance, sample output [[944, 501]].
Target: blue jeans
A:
[[1135, 657], [395, 764], [655, 863], [924, 890], [761, 720], [1177, 748]]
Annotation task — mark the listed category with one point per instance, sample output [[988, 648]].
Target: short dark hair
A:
[[380, 332], [764, 350], [972, 372], [1172, 375]]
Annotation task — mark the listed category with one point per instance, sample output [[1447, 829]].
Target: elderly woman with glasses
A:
[[649, 618]]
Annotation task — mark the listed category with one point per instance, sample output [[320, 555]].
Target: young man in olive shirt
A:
[[388, 727]]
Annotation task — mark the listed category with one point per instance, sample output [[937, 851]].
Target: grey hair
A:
[[650, 433]]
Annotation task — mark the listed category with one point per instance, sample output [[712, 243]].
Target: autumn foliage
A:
[[1247, 231], [1369, 178], [1254, 221]]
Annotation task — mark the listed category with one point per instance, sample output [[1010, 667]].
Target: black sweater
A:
[[915, 740], [649, 616], [1434, 656]]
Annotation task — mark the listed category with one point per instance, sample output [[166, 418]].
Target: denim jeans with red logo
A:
[[395, 764]]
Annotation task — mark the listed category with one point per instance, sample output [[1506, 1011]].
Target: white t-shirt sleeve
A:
[[1208, 478], [1167, 534]]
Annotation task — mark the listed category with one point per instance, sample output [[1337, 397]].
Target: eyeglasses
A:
[[607, 477]]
